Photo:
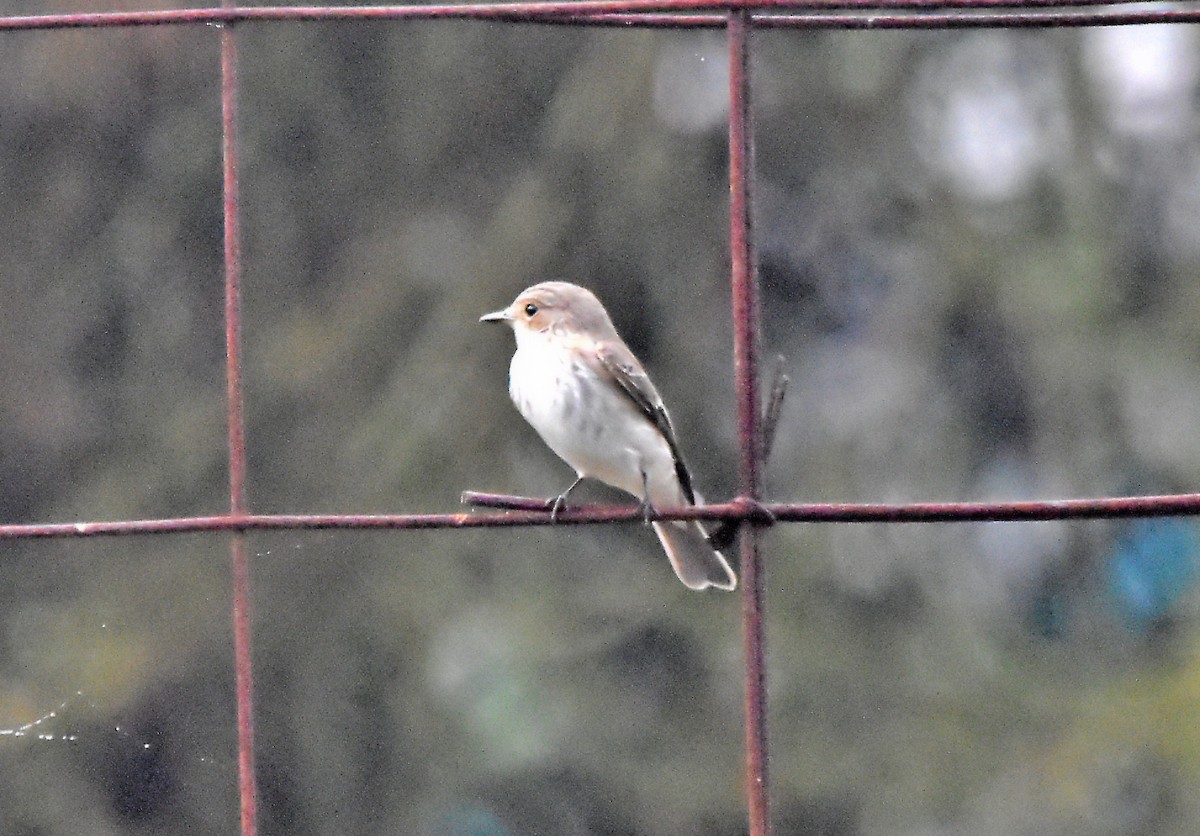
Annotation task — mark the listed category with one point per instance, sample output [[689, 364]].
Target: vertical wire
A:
[[239, 556], [747, 336]]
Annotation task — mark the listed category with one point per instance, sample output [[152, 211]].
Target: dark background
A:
[[979, 253]]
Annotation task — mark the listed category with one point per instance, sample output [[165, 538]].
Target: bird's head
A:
[[556, 307]]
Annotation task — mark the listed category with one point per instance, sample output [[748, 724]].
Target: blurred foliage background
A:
[[980, 255]]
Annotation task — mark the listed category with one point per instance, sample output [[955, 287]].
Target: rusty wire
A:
[[677, 14], [749, 511], [236, 424]]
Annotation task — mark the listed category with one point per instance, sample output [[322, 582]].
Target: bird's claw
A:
[[647, 510], [644, 502], [557, 504], [560, 502]]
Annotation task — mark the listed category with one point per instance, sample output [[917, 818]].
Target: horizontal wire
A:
[[531, 511], [823, 512], [881, 22], [657, 13]]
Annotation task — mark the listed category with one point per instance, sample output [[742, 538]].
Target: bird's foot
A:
[[644, 502], [557, 505], [647, 510], [560, 502]]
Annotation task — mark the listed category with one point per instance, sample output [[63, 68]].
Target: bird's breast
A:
[[587, 420], [544, 384]]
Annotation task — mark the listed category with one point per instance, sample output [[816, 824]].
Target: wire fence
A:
[[749, 510]]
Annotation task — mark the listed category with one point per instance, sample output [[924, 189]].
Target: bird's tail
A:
[[696, 563]]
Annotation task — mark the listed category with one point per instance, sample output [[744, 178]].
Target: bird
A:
[[577, 383]]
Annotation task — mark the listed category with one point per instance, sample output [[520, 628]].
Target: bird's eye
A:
[[531, 309]]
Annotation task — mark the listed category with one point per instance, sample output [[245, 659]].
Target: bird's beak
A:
[[497, 316]]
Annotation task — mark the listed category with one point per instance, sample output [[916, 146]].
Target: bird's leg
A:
[[560, 501], [645, 506]]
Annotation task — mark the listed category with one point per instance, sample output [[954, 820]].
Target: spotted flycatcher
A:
[[588, 397]]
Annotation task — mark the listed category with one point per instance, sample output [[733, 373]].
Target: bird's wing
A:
[[631, 378]]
